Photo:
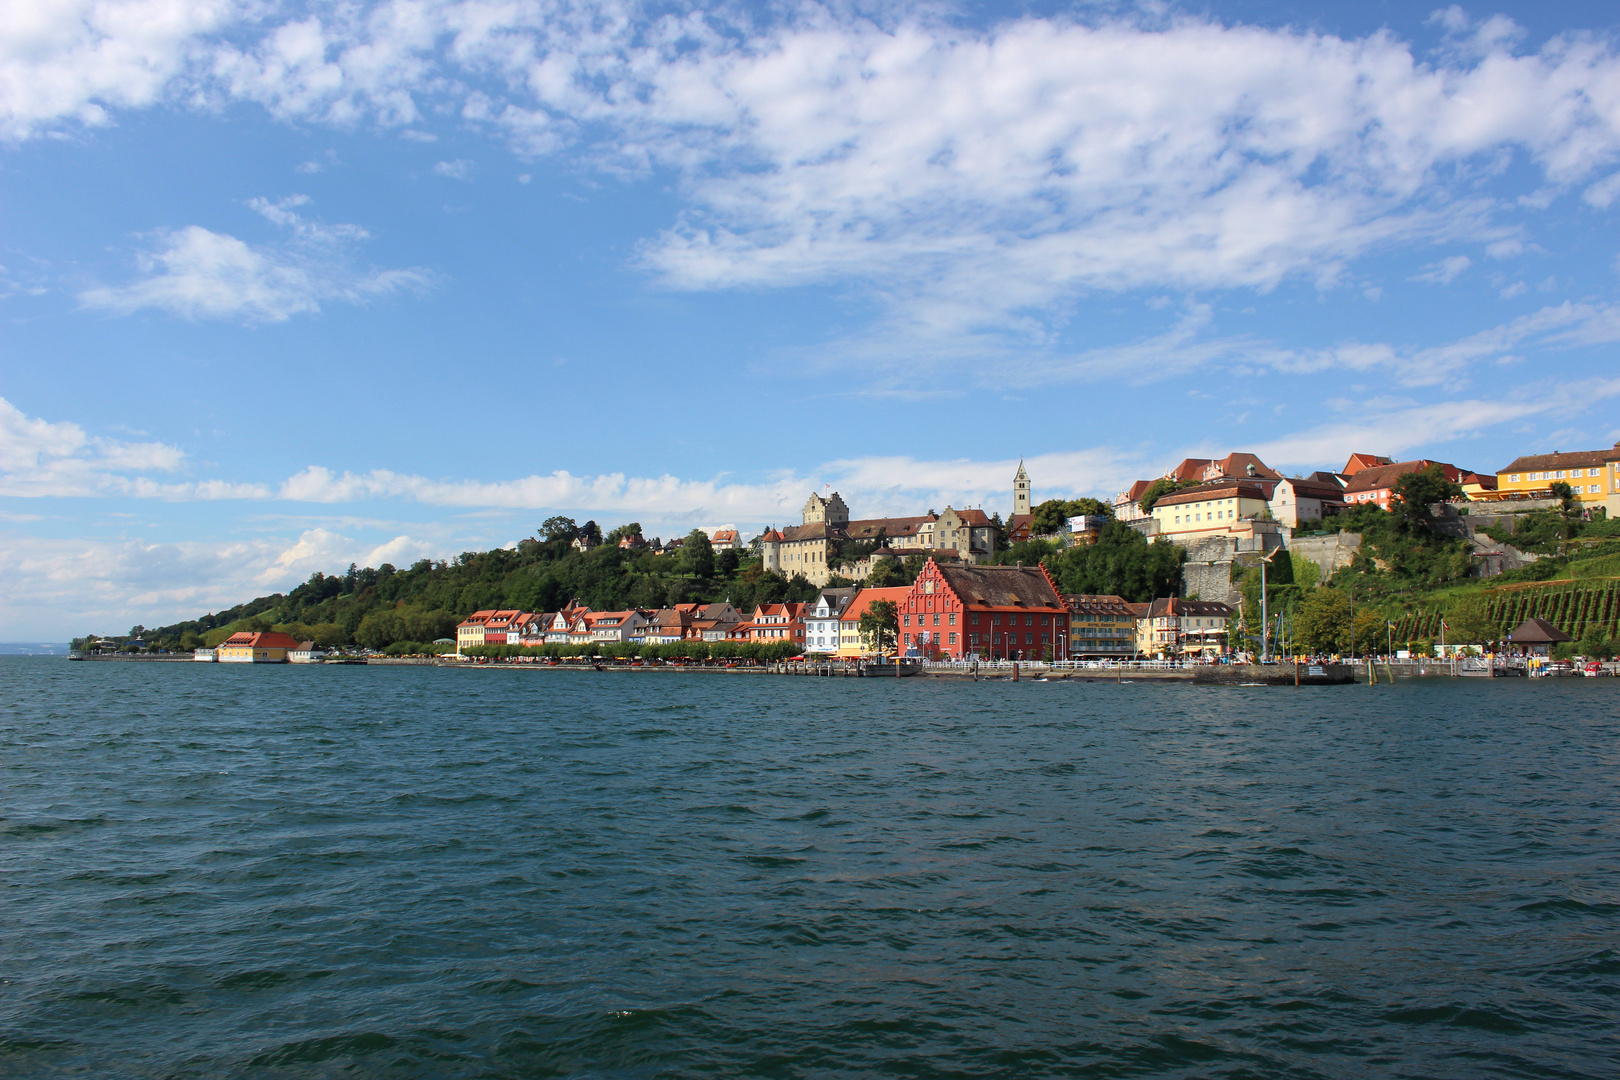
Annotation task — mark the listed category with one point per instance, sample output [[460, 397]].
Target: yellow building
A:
[[1195, 512], [1593, 475], [246, 647], [851, 642]]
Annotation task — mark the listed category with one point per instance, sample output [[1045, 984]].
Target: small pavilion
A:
[[1536, 637]]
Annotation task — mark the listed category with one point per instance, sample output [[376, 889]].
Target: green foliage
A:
[[559, 528], [1157, 490], [1323, 624], [1416, 491], [889, 574], [1052, 516], [1120, 563], [1565, 496], [697, 555], [880, 624]]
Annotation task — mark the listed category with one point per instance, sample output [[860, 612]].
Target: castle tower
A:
[[1021, 490], [831, 510]]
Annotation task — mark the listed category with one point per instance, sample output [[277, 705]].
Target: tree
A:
[[1469, 621], [1565, 496], [1322, 624], [591, 532], [1051, 516], [558, 528], [697, 554], [1417, 491], [1164, 485], [998, 532], [1090, 508], [1120, 563], [631, 529], [887, 573], [880, 624], [725, 564]]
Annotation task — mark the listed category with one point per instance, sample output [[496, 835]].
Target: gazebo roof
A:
[[1537, 632]]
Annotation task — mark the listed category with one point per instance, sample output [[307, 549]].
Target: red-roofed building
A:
[[470, 631], [1358, 462], [998, 612], [263, 647], [772, 623], [1376, 483], [497, 626], [851, 642]]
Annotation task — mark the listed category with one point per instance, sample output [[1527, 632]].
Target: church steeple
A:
[[1021, 490]]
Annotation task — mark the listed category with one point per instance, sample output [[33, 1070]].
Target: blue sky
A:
[[284, 286]]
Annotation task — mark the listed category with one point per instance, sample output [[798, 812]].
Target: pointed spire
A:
[[1022, 475]]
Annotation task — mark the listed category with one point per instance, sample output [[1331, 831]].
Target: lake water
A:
[[300, 872]]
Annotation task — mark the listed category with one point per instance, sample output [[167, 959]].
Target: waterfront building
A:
[[1100, 626], [499, 625], [851, 641], [1357, 462], [1173, 627], [997, 612], [306, 653], [821, 619], [470, 631], [772, 623], [811, 548], [263, 647]]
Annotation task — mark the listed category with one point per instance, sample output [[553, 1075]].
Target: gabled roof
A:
[[1000, 586], [973, 517], [867, 597], [262, 639], [1581, 459], [1379, 477], [1315, 489], [1239, 465], [868, 528], [1358, 462], [1537, 632], [816, 530], [771, 536], [1135, 492], [1219, 489], [1190, 469], [1096, 604]]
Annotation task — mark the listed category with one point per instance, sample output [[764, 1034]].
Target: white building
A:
[[821, 619]]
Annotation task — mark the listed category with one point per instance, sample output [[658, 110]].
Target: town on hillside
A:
[[941, 584]]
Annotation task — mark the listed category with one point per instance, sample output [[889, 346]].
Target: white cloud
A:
[[1445, 271], [53, 588], [970, 178], [199, 274], [459, 169], [76, 59], [1518, 288], [39, 458]]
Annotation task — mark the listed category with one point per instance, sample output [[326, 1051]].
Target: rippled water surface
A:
[[228, 871]]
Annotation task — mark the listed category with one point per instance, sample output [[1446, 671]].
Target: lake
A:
[[398, 872]]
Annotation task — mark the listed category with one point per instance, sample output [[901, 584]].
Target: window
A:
[[973, 619], [953, 639], [1029, 639], [905, 620], [936, 618], [1591, 472], [908, 639], [953, 618], [1029, 620], [1514, 478], [995, 620], [1046, 639], [1560, 474]]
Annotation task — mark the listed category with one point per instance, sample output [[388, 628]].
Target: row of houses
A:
[[1229, 495], [952, 610]]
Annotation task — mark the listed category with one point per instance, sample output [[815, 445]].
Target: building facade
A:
[[1593, 475], [1100, 627], [1209, 509], [1176, 628], [262, 647], [993, 612]]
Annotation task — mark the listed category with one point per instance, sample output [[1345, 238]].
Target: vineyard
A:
[[1574, 607]]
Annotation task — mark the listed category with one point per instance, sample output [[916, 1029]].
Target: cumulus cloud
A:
[[459, 169], [41, 458], [969, 177], [55, 589], [195, 273]]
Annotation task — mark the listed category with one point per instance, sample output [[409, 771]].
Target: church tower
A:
[[1021, 490]]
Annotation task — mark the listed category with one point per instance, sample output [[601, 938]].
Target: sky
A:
[[286, 286]]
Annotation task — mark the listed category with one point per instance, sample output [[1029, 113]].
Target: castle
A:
[[812, 547]]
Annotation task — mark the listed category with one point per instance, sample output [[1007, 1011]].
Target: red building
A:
[[777, 622], [1376, 483], [994, 612]]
